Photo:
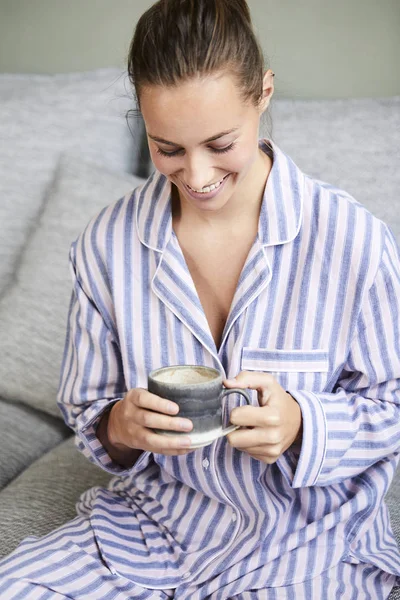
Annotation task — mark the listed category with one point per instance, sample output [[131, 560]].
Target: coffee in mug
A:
[[199, 393]]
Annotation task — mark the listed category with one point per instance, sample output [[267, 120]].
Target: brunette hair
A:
[[176, 40]]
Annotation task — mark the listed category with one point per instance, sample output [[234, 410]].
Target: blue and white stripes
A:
[[317, 305]]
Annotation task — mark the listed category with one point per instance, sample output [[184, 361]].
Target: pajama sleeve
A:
[[91, 378], [358, 424]]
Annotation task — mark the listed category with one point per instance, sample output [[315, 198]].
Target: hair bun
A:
[[239, 6], [242, 7], [175, 40]]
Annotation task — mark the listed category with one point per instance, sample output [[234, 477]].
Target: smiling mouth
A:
[[209, 188]]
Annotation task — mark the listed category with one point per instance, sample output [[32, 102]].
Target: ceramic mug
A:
[[199, 393]]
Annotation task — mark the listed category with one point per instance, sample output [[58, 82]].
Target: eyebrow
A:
[[211, 139]]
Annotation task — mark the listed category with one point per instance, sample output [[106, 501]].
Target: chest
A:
[[215, 268], [282, 318]]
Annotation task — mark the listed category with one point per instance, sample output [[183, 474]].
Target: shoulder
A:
[[353, 235], [333, 199]]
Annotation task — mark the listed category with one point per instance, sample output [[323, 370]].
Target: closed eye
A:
[[215, 150]]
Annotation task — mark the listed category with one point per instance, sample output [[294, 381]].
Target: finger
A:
[[145, 399], [158, 443], [259, 457], [252, 438], [177, 452], [252, 380], [269, 460], [264, 396], [268, 456], [154, 420], [255, 416]]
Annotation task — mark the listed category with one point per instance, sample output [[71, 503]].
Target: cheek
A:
[[238, 163]]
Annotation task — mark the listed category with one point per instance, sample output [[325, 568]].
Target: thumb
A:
[[252, 380]]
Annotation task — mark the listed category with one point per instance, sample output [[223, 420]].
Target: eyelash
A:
[[216, 150]]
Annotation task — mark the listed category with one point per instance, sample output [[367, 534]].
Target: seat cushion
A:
[[43, 497], [34, 310], [44, 115], [25, 435]]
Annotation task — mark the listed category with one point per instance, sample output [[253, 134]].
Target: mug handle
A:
[[245, 395]]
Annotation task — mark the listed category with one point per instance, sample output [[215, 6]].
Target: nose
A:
[[198, 172]]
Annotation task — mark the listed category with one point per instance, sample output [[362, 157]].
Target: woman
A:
[[228, 256]]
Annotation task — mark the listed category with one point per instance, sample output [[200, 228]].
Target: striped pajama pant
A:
[[67, 564]]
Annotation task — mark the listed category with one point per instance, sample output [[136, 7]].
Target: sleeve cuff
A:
[[304, 470], [88, 443]]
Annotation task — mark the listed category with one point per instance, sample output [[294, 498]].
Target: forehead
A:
[[202, 105]]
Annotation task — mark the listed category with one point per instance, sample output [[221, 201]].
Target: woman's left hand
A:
[[270, 428]]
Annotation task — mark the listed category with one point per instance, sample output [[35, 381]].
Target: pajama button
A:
[[186, 575], [206, 463], [234, 517]]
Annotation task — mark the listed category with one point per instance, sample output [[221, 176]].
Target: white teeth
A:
[[208, 189]]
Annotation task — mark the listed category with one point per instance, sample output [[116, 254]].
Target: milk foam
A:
[[184, 376]]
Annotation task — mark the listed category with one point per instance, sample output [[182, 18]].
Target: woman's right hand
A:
[[132, 419]]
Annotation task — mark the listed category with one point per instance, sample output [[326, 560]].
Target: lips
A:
[[208, 187], [207, 195]]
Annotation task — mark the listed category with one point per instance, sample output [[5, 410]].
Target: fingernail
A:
[[172, 408], [185, 425]]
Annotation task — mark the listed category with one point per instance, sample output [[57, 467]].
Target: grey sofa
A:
[[67, 151]]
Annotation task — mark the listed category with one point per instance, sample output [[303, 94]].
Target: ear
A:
[[268, 90]]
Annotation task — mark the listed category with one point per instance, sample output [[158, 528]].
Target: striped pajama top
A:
[[317, 305]]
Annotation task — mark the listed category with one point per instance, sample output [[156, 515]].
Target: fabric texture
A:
[[67, 564], [44, 115], [33, 312], [43, 497], [216, 515], [25, 435], [355, 146]]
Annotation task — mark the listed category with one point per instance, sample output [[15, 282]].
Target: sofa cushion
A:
[[25, 434], [393, 503], [43, 497], [395, 594], [350, 143], [34, 310], [44, 115]]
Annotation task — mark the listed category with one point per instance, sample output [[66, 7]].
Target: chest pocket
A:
[[293, 369]]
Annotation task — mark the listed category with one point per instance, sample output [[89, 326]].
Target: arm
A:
[[113, 426], [357, 425], [119, 453], [92, 381]]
